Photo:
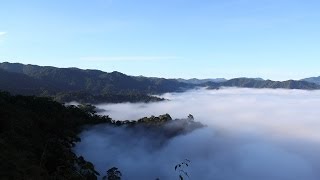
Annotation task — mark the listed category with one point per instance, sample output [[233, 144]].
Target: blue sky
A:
[[275, 39]]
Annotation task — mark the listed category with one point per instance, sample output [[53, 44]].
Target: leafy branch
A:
[[180, 169]]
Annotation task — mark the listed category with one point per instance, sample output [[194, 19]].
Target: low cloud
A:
[[251, 134]]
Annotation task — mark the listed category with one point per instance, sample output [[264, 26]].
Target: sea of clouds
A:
[[251, 134]]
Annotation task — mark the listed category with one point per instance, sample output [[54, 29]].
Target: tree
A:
[[113, 174], [190, 117], [180, 169], [88, 108]]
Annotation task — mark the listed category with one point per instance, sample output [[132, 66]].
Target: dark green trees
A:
[[113, 174], [37, 136]]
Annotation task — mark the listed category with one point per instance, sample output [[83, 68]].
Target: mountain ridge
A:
[[257, 83], [62, 82], [96, 86], [315, 80], [201, 81]]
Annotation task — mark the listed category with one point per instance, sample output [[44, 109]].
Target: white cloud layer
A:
[[252, 134]]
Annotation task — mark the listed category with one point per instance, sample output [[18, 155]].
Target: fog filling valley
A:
[[250, 134]]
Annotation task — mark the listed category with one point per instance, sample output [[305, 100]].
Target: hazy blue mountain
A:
[[257, 78], [312, 80], [201, 81], [257, 83], [94, 86]]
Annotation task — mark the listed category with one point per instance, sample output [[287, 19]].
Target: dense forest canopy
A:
[[37, 136]]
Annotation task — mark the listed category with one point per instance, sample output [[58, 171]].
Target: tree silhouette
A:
[[180, 169], [113, 174], [190, 117]]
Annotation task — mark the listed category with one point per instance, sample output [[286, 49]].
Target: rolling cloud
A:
[[251, 134]]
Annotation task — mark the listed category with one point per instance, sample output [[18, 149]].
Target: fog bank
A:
[[251, 134]]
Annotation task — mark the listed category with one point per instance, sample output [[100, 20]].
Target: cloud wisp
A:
[[251, 134], [2, 33]]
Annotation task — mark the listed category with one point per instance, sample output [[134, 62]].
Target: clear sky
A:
[[275, 39]]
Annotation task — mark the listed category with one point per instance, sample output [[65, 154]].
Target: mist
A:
[[250, 134]]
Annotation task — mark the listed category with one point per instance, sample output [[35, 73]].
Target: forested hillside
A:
[[37, 136], [93, 81], [90, 86], [94, 86]]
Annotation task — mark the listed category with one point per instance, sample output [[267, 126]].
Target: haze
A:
[[251, 134]]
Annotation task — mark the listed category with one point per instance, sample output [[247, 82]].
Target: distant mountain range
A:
[[94, 86], [315, 80], [87, 85], [201, 81], [257, 83]]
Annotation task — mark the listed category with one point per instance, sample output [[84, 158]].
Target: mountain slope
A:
[[94, 86], [201, 81], [93, 81], [256, 83], [22, 84], [86, 86], [315, 80]]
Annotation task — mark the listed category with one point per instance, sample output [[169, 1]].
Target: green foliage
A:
[[37, 136], [84, 97], [155, 120], [113, 174], [88, 108]]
